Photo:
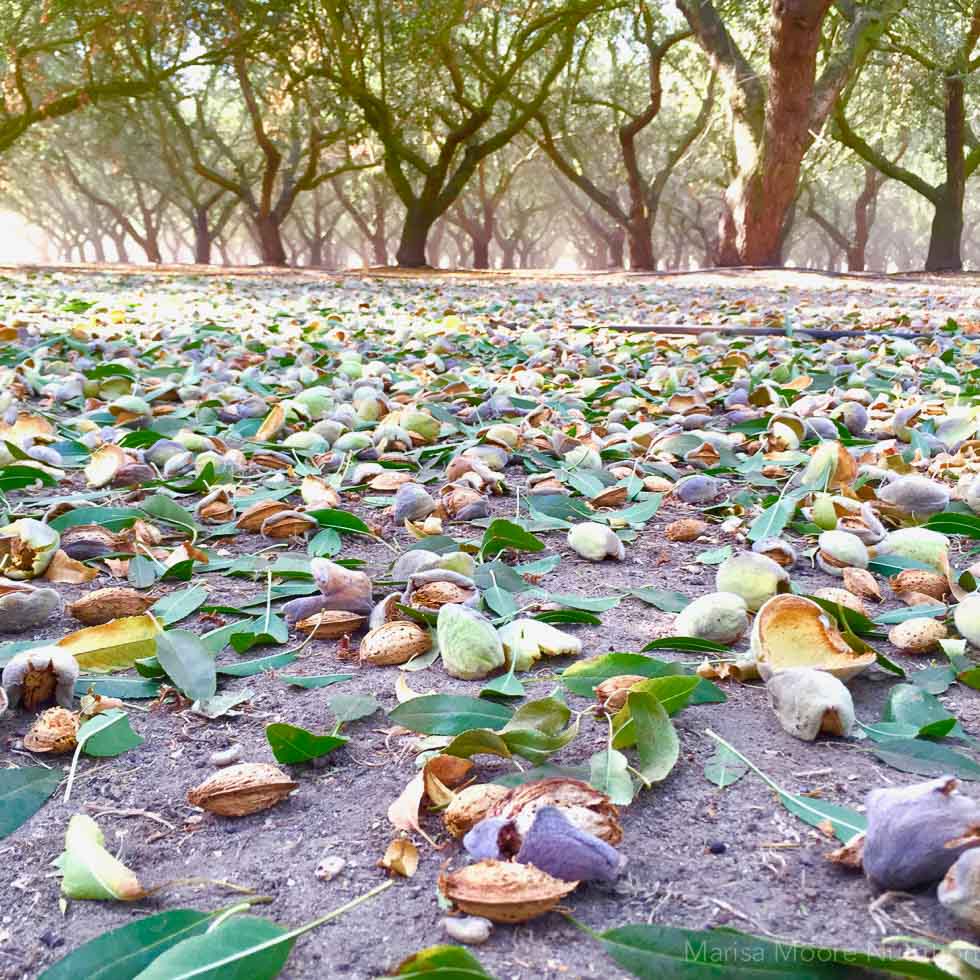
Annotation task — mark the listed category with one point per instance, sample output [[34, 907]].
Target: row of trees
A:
[[708, 132]]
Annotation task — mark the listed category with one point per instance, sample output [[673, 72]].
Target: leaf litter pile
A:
[[359, 627]]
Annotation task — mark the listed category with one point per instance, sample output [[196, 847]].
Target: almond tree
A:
[[779, 101], [432, 81], [938, 40]]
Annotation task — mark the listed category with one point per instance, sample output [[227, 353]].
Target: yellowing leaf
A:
[[68, 570], [89, 870], [115, 645]]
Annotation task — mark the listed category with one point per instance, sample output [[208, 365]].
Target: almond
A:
[[104, 605], [239, 790], [396, 642], [331, 624], [686, 529], [613, 691], [435, 595], [54, 730], [919, 635], [861, 582], [920, 580], [503, 891], [252, 518]]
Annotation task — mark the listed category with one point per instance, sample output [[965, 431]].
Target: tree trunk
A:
[[508, 254], [727, 253], [151, 245], [944, 240], [770, 157], [316, 251], [202, 237], [617, 249], [947, 224], [481, 251], [271, 249], [379, 245], [419, 220], [641, 241]]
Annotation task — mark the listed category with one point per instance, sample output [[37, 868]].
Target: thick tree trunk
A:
[[947, 223], [641, 241], [727, 253], [271, 249], [508, 251], [202, 237], [151, 245], [379, 244], [770, 157], [481, 251], [946, 236], [316, 251], [415, 233]]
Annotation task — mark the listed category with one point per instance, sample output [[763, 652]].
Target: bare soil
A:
[[698, 856]]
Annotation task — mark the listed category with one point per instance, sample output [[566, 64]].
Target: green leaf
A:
[[325, 544], [640, 513], [688, 643], [656, 738], [502, 535], [249, 668], [142, 572], [127, 688], [352, 707], [500, 602], [584, 676], [291, 744], [315, 681], [164, 509], [672, 693], [913, 612], [847, 619], [111, 518], [724, 769], [262, 631], [934, 680], [179, 605], [122, 953], [188, 663], [584, 602], [890, 565], [952, 523], [672, 602], [715, 556], [567, 616], [655, 952], [443, 963], [16, 477], [108, 734], [773, 520], [23, 791], [245, 947], [609, 773], [340, 520], [88, 870], [449, 714], [478, 741], [925, 758]]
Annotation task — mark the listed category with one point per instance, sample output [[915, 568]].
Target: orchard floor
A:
[[697, 856]]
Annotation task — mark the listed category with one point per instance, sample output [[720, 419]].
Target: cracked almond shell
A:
[[54, 730], [470, 805], [585, 806], [791, 631], [396, 642], [503, 891], [243, 789], [104, 605], [435, 595]]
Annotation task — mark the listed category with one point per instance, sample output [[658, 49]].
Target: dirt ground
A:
[[697, 856]]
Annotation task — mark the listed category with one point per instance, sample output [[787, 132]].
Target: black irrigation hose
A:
[[668, 330]]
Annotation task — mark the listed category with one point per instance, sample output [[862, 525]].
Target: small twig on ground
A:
[[132, 812]]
